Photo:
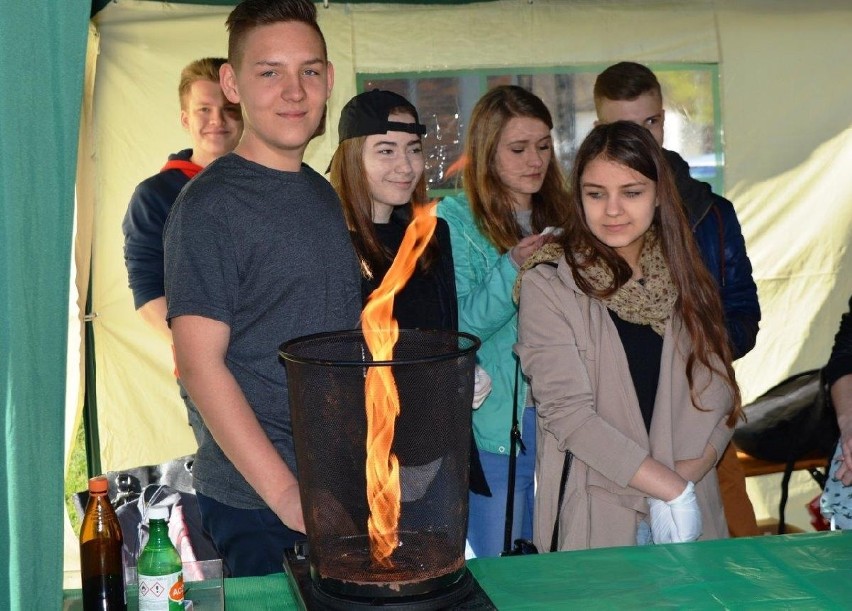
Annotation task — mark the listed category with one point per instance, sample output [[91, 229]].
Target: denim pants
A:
[[251, 542], [487, 515]]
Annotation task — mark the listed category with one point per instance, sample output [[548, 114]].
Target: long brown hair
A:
[[348, 176], [699, 304], [490, 200]]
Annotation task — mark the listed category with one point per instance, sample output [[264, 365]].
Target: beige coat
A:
[[586, 402]]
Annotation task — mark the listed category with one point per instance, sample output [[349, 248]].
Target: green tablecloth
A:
[[802, 571]]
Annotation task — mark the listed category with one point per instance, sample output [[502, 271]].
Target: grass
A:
[[77, 476]]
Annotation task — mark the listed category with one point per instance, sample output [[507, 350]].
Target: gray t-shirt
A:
[[267, 253]]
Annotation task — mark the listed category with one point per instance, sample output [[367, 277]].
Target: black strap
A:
[[563, 480], [514, 440], [785, 488]]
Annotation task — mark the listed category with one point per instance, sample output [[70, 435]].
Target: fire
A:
[[457, 166], [381, 332]]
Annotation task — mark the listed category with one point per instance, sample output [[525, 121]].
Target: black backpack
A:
[[790, 421]]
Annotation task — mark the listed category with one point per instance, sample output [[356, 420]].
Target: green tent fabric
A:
[[43, 48]]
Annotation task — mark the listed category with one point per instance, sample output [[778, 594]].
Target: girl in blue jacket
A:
[[513, 190]]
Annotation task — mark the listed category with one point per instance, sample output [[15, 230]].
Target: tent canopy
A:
[[97, 5]]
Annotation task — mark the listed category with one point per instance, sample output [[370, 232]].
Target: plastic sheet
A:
[[804, 571]]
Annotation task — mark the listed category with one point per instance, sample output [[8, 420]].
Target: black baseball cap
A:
[[367, 114]]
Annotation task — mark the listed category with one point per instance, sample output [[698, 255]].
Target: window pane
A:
[[691, 128]]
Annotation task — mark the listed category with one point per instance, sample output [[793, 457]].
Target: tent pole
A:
[[90, 398]]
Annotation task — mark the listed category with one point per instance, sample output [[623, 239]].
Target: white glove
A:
[[481, 386], [662, 525], [686, 515], [678, 520]]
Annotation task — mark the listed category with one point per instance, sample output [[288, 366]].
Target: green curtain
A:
[[42, 56]]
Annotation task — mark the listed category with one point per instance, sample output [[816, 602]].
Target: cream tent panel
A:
[[142, 48], [788, 131], [785, 110]]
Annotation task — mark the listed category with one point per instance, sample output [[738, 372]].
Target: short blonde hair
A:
[[204, 69]]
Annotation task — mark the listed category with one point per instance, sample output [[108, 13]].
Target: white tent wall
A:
[[788, 147]]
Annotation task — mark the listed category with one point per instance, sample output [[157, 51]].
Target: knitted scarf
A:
[[649, 302]]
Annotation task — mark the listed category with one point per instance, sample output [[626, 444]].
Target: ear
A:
[[228, 82], [596, 123], [330, 78], [184, 119]]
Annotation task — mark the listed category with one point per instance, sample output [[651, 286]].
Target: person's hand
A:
[[844, 470], [527, 246], [662, 525], [694, 469], [686, 515], [288, 508], [481, 386]]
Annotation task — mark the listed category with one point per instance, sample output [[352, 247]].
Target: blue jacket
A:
[[720, 241], [484, 281], [143, 226]]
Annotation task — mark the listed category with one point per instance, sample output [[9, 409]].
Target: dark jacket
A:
[[840, 362], [143, 226], [427, 301], [720, 241]]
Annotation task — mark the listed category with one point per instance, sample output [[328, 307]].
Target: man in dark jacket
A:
[[628, 91], [214, 125]]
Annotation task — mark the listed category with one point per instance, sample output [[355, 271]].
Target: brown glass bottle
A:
[[101, 569]]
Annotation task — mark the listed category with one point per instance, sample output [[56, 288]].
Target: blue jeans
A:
[[487, 515], [251, 542]]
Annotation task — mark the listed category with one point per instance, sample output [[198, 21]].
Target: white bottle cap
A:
[[158, 512]]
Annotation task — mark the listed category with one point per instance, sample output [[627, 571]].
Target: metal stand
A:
[[466, 594]]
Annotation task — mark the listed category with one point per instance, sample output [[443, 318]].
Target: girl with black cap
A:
[[378, 173]]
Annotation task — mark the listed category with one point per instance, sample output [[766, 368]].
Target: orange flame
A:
[[457, 166], [381, 332]]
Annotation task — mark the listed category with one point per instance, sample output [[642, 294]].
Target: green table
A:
[[802, 571]]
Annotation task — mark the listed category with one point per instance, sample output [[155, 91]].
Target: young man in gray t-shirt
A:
[[257, 253]]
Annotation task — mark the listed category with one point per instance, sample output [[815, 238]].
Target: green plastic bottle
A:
[[159, 568]]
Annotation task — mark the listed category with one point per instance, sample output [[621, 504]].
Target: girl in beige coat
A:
[[622, 335]]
